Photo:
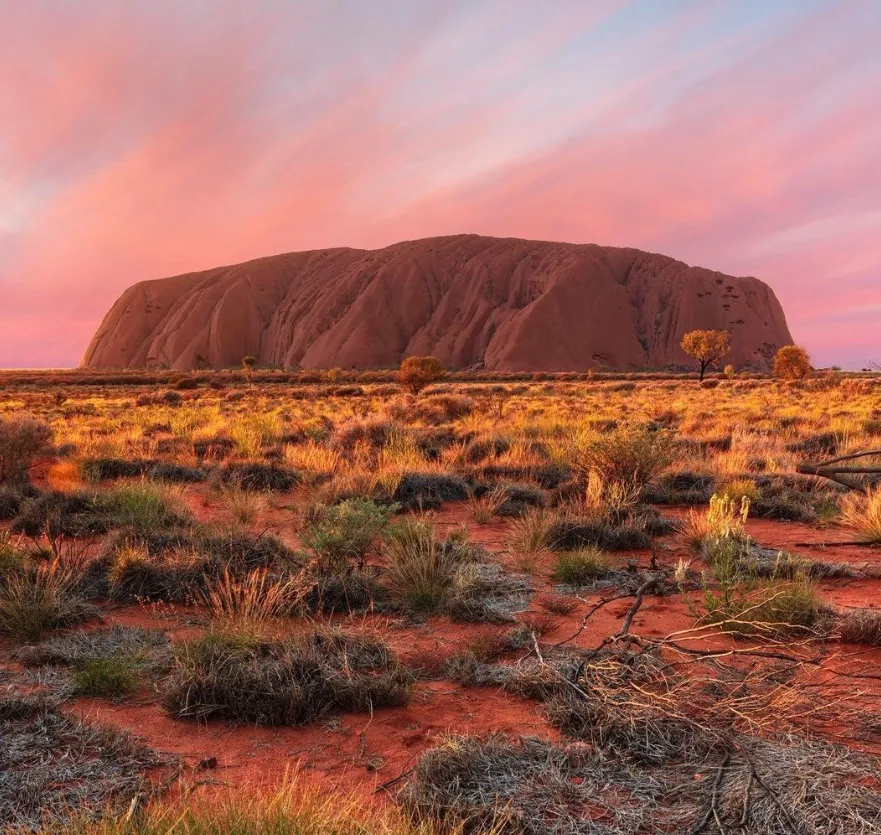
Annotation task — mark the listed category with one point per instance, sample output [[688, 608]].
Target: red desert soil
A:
[[357, 751], [465, 299]]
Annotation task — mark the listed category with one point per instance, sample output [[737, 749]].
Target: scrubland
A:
[[317, 603]]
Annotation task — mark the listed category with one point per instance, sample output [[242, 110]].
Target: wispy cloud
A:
[[144, 139]]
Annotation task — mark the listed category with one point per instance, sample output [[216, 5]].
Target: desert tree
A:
[[248, 367], [707, 347], [416, 373], [791, 362]]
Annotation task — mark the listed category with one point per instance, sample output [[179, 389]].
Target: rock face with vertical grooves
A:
[[500, 303]]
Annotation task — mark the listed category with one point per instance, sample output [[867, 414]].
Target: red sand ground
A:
[[364, 752]]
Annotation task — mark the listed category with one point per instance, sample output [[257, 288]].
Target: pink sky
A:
[[143, 139]]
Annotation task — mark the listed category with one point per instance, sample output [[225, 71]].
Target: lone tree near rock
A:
[[707, 347], [248, 367], [416, 373], [792, 362]]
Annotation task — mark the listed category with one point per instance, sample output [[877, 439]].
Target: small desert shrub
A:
[[426, 491], [267, 477], [421, 567], [22, 441], [861, 512], [242, 507], [531, 533], [145, 507], [861, 626], [109, 678], [39, 598], [625, 455], [583, 567], [252, 600], [289, 682], [416, 373], [343, 533]]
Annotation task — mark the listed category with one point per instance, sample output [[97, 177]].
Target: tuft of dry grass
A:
[[36, 599], [861, 626], [861, 512], [242, 507], [725, 519], [253, 600], [531, 533]]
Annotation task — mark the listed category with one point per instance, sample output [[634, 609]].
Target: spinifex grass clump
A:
[[293, 810], [582, 567], [23, 439], [54, 768], [39, 597], [530, 787], [861, 512], [236, 675], [724, 521], [109, 678], [421, 567], [252, 600]]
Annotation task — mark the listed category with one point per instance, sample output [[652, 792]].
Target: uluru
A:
[[501, 304]]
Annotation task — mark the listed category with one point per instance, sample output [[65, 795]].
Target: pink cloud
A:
[[147, 140]]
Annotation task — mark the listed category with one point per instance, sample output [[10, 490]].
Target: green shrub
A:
[[109, 678], [625, 455], [343, 533], [581, 568]]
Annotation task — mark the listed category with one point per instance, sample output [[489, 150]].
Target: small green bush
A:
[[109, 678], [343, 533], [581, 568]]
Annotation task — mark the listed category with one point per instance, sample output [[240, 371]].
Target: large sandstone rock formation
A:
[[502, 303]]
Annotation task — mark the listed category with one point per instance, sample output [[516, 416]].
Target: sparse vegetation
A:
[[496, 531]]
